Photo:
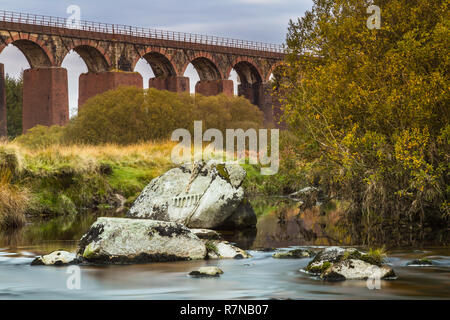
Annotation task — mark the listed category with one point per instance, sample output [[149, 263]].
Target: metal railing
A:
[[117, 29]]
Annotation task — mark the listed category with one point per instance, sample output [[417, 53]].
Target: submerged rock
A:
[[225, 250], [207, 272], [126, 241], [293, 254], [202, 195], [420, 262], [335, 263], [56, 258]]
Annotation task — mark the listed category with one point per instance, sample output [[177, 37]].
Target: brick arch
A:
[[250, 62], [95, 57], [35, 50], [160, 61], [205, 64], [272, 70]]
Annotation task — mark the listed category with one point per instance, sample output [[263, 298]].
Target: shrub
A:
[[374, 104], [131, 115], [42, 136]]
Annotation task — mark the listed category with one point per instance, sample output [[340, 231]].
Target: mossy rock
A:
[[223, 172], [420, 262], [294, 254], [318, 269]]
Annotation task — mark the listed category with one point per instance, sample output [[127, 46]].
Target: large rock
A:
[[335, 263], [126, 241], [202, 195]]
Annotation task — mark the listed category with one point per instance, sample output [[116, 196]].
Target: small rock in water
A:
[[225, 250], [420, 262], [207, 272], [294, 254], [207, 234], [335, 263], [56, 258], [356, 270], [266, 249]]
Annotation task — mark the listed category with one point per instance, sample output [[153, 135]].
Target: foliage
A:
[[370, 108], [42, 136], [14, 106], [12, 202], [130, 115]]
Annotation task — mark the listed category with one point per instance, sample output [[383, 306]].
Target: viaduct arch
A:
[[111, 53]]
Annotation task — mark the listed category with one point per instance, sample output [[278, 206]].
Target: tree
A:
[[372, 108], [14, 106]]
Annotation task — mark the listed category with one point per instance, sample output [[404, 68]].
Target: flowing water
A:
[[260, 277]]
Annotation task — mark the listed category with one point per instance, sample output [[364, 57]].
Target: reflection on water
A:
[[280, 225]]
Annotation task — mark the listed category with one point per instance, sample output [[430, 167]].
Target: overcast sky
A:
[[257, 20]]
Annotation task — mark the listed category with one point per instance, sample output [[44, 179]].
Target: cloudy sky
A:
[[257, 20]]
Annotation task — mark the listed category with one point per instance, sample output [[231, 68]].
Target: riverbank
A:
[[59, 180], [55, 180]]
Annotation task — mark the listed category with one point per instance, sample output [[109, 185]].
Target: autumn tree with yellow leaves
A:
[[371, 108]]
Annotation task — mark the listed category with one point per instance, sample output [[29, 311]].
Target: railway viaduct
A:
[[111, 52]]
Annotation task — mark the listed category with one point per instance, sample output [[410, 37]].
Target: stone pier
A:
[[45, 97], [215, 87], [92, 84], [3, 126], [174, 84]]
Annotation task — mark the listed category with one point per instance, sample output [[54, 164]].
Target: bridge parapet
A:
[[107, 48]]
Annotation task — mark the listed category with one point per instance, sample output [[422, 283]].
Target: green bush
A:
[[131, 115]]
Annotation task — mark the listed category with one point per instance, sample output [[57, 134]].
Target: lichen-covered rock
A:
[[293, 254], [202, 195], [56, 258], [225, 250], [126, 241], [207, 272], [420, 262], [352, 269], [335, 263], [207, 234]]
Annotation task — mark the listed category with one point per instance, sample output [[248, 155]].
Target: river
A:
[[260, 277]]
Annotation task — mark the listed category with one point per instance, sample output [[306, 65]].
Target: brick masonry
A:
[[45, 97], [3, 127], [174, 84], [46, 47], [215, 87], [92, 84]]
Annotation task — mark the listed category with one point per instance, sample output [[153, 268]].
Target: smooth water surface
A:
[[260, 277]]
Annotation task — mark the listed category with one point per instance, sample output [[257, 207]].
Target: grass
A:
[[375, 256], [12, 202], [59, 180]]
